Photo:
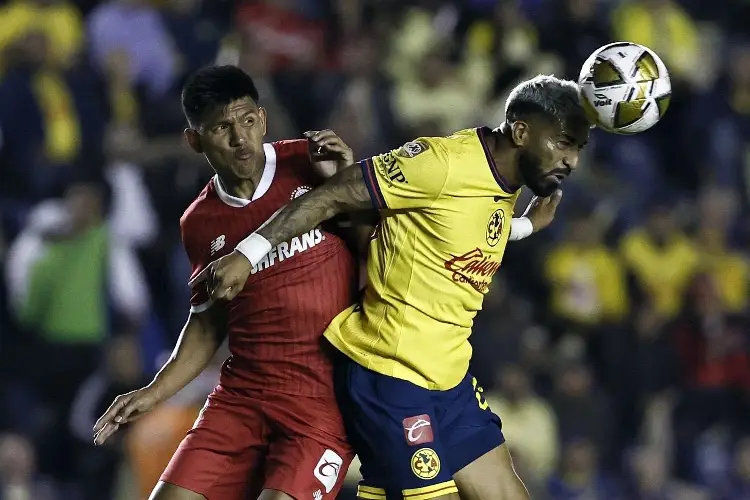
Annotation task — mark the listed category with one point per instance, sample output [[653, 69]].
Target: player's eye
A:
[[249, 121], [221, 128], [564, 144]]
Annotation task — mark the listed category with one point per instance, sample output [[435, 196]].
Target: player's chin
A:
[[545, 187], [242, 169]]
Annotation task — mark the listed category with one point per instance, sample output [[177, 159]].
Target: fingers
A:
[[326, 140], [105, 433], [111, 413], [554, 200], [126, 414], [202, 276], [110, 421]]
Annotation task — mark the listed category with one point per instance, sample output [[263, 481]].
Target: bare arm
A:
[[198, 342], [344, 192]]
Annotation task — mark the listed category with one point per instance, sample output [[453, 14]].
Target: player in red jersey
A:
[[271, 428]]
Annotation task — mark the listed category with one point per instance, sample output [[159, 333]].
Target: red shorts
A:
[[245, 442]]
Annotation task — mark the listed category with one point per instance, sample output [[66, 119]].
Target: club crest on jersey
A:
[[425, 463], [473, 268], [495, 227], [299, 192], [412, 149]]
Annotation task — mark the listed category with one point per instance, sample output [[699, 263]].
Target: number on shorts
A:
[[483, 404]]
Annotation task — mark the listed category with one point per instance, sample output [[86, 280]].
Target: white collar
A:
[[269, 170]]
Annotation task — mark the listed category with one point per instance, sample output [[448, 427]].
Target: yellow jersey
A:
[[445, 219]]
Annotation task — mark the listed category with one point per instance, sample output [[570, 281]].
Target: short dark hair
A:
[[214, 86], [546, 96]]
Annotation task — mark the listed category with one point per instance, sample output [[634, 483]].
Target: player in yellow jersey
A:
[[414, 414]]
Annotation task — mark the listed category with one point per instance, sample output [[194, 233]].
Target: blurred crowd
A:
[[614, 345]]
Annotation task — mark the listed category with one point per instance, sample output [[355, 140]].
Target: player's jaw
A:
[[542, 182]]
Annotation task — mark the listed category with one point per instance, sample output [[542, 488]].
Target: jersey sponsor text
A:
[[286, 250]]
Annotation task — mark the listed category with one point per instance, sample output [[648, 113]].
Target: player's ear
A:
[[263, 117], [193, 139], [520, 133]]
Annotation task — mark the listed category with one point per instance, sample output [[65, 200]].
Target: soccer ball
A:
[[625, 88]]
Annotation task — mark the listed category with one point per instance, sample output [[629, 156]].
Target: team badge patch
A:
[[328, 468], [495, 227], [418, 430], [425, 463], [299, 192], [412, 149]]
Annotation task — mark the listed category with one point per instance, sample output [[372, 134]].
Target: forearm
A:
[[195, 348], [344, 192]]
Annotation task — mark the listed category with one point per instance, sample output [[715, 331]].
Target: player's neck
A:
[[505, 154], [243, 188], [239, 188]]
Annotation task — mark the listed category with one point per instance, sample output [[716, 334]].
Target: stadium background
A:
[[614, 345]]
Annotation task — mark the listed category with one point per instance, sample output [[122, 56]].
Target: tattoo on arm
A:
[[344, 192]]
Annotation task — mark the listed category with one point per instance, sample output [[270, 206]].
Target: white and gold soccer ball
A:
[[625, 87]]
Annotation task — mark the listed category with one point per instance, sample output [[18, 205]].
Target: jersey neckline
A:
[[501, 181], [266, 179]]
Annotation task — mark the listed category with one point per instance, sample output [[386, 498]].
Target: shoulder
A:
[[291, 150], [460, 143], [199, 208]]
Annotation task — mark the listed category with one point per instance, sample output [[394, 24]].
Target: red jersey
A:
[[276, 323]]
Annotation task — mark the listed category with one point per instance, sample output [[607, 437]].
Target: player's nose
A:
[[237, 136], [571, 161]]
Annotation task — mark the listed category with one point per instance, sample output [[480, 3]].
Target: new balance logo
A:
[[418, 430], [217, 244]]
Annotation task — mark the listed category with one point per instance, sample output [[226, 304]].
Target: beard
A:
[[533, 175]]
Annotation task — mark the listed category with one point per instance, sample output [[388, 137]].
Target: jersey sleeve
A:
[[200, 300], [412, 176]]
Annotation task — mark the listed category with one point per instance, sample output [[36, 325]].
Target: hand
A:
[[541, 211], [328, 152], [225, 277], [125, 408]]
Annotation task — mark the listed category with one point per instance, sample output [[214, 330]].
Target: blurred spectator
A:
[[529, 423], [432, 101], [715, 375], [51, 273], [580, 477], [498, 331], [661, 259], [651, 479], [726, 106], [739, 485], [48, 29], [132, 35], [294, 49], [363, 112], [18, 474], [664, 26], [122, 372], [728, 268], [583, 412], [585, 17], [586, 278]]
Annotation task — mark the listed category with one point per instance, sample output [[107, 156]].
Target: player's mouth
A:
[[243, 154], [557, 176]]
